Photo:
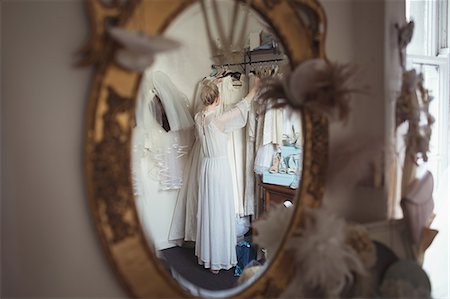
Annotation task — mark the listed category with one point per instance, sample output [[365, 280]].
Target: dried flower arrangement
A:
[[412, 106]]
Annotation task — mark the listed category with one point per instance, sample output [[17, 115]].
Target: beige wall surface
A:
[[48, 243], [363, 34]]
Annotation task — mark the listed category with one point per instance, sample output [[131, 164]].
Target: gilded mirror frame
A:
[[300, 26]]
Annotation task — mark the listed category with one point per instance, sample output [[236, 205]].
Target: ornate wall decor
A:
[[300, 26]]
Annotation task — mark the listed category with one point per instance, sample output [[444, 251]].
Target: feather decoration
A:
[[139, 48], [271, 94], [272, 227], [324, 261], [316, 84]]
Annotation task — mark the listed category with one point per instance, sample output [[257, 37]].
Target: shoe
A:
[[275, 163], [292, 165], [283, 167], [295, 183], [215, 272]]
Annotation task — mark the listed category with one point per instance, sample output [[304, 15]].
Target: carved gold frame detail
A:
[[300, 26]]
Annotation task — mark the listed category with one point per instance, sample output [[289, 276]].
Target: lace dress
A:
[[216, 235]]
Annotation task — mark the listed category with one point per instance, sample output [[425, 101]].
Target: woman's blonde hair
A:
[[209, 93]]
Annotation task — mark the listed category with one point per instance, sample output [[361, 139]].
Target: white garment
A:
[[140, 170], [216, 234], [292, 120], [166, 149], [175, 103], [230, 95], [273, 126], [250, 154], [184, 220], [264, 157]]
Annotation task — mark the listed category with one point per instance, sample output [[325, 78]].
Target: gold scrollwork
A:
[[108, 138]]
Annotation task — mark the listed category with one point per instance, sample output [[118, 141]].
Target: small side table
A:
[[271, 195]]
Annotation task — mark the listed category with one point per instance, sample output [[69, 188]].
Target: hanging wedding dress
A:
[[175, 103], [250, 179], [184, 220], [230, 95], [158, 154], [159, 99], [216, 235]]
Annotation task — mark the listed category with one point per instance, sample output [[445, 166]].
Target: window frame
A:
[[438, 55]]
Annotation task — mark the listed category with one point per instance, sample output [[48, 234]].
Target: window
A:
[[428, 53]]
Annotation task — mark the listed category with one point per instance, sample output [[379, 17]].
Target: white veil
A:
[[167, 150], [175, 103]]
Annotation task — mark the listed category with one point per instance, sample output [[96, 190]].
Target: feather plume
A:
[[271, 94], [270, 230], [139, 48], [324, 261], [316, 84]]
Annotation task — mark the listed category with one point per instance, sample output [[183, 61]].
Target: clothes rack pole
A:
[[246, 62]]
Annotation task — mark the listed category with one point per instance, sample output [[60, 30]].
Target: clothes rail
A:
[[247, 62]]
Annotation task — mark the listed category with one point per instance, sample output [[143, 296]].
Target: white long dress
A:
[[230, 95], [216, 234]]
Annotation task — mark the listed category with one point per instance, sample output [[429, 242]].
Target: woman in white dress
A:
[[216, 236]]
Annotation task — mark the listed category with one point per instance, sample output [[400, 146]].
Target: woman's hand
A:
[[257, 82], [252, 93]]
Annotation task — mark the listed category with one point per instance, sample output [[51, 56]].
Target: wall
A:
[[48, 241], [49, 246], [369, 44]]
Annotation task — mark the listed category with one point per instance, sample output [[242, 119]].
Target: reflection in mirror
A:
[[209, 159]]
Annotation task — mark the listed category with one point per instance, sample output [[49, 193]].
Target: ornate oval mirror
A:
[[183, 158]]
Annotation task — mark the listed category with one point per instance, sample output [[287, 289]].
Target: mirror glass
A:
[[209, 157]]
